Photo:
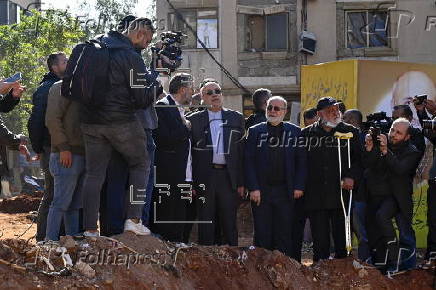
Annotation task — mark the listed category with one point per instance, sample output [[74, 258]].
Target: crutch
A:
[[347, 211]]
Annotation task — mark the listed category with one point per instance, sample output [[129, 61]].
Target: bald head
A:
[[400, 131]]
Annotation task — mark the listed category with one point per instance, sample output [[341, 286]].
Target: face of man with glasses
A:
[[275, 111], [212, 96]]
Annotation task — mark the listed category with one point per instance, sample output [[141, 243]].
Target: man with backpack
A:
[[115, 93]]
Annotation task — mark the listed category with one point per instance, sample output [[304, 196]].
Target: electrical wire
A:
[[223, 69]]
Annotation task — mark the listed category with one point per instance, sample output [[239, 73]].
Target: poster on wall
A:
[[207, 31]]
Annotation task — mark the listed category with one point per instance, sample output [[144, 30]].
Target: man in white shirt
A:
[[217, 165]]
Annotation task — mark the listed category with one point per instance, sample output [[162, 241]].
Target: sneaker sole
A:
[[138, 234]]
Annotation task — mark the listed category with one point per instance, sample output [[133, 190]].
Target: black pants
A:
[[129, 140], [273, 220], [170, 212], [381, 232], [47, 197], [191, 215], [320, 225], [431, 220], [219, 197], [298, 224]]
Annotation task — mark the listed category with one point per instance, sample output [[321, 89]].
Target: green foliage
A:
[[109, 13], [24, 48]]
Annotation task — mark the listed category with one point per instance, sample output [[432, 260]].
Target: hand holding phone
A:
[[12, 79], [7, 84]]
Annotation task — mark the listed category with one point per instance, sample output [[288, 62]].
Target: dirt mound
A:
[[129, 261], [20, 203]]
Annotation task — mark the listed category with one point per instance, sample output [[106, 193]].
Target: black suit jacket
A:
[[202, 148], [172, 143]]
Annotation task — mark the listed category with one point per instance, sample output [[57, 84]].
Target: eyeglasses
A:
[[213, 92], [275, 108]]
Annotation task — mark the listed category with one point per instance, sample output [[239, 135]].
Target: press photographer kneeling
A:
[[391, 162]]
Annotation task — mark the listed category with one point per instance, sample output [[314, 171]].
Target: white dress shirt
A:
[[217, 134]]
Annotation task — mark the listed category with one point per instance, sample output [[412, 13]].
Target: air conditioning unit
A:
[[307, 42]]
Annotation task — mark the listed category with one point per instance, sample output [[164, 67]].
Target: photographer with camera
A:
[[426, 110], [391, 162], [416, 136]]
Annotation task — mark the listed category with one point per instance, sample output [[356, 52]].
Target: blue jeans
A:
[[67, 197], [359, 222], [151, 147]]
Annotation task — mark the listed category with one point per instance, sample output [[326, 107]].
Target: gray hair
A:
[[277, 98]]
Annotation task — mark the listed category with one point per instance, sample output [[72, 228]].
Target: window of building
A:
[[3, 12], [367, 28], [12, 12], [203, 22], [8, 12], [267, 32]]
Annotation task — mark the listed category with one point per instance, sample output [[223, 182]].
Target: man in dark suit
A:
[[217, 163], [172, 159], [275, 174]]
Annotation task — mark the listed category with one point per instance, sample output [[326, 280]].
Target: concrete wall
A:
[[201, 65], [321, 20], [413, 44], [25, 3]]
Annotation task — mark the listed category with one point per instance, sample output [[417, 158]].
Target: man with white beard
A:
[[323, 186], [275, 174]]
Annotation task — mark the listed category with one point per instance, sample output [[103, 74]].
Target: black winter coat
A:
[[323, 189], [38, 132], [128, 77], [393, 173]]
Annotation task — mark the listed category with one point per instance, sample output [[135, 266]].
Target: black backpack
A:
[[86, 78]]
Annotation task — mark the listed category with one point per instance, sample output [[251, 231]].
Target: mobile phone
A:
[[14, 78]]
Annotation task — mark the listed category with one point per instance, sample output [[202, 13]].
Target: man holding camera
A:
[[391, 162], [427, 110]]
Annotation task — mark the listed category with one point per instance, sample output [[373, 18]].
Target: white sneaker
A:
[[137, 228], [91, 234]]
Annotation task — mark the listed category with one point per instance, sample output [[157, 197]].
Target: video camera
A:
[[376, 124], [170, 48]]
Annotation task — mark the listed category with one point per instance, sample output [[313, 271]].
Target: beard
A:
[[275, 119], [333, 123]]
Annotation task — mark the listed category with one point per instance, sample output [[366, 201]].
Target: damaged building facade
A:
[[260, 41]]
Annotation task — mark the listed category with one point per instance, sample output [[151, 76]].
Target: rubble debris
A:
[[130, 261], [22, 203]]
